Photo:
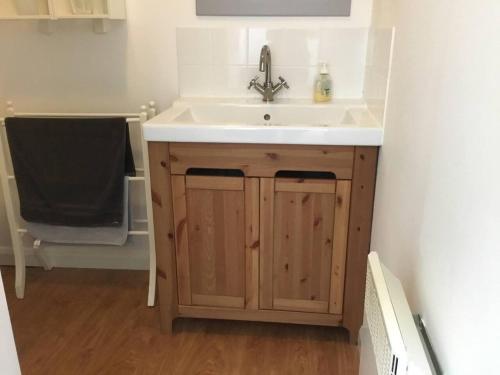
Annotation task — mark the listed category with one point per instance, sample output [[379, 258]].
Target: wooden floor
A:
[[96, 322]]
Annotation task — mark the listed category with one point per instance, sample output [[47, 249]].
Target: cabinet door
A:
[[210, 232], [303, 244]]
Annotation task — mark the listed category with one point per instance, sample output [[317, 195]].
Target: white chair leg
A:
[[149, 207], [20, 262], [152, 288]]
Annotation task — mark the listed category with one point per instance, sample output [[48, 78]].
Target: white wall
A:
[[74, 69], [437, 214], [377, 69]]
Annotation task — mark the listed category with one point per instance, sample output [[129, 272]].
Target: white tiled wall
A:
[[378, 64], [221, 61]]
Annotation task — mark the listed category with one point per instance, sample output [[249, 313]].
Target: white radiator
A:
[[390, 341]]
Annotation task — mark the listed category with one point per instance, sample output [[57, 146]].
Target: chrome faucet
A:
[[268, 90]]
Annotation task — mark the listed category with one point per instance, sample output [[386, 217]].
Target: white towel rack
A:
[[16, 229]]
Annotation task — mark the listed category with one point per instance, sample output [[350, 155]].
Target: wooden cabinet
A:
[[264, 233]]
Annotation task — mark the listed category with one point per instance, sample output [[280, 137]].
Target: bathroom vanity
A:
[[263, 212]]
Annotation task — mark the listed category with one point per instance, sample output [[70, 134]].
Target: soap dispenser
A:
[[323, 88]]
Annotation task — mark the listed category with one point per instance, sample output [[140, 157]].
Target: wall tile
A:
[[345, 52], [300, 79], [348, 83], [289, 47], [230, 81], [343, 47], [223, 60], [230, 46]]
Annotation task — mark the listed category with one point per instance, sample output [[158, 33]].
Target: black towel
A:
[[70, 171]]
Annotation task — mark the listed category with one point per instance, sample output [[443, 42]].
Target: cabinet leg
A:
[[353, 335], [166, 322], [167, 325], [168, 307]]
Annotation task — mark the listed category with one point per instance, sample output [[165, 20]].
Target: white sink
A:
[[252, 121]]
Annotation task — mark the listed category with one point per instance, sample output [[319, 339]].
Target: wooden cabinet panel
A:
[[340, 232], [216, 232], [210, 234], [303, 251], [214, 183], [161, 194], [303, 235], [266, 243], [305, 186], [262, 160], [181, 239], [360, 224], [252, 242]]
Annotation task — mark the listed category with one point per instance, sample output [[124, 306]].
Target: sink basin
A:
[[252, 121]]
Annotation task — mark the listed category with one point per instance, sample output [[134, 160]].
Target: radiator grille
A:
[[386, 361]]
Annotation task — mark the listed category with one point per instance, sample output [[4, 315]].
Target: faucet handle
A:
[[253, 82], [284, 83]]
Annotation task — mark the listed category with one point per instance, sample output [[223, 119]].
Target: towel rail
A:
[[17, 231], [130, 118]]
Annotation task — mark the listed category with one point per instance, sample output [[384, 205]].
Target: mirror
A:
[[307, 8]]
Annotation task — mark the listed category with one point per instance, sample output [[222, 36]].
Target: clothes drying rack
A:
[[15, 222]]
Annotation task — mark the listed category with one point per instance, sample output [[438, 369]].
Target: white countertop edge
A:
[[265, 135]]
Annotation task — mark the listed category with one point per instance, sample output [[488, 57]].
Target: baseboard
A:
[[101, 257]]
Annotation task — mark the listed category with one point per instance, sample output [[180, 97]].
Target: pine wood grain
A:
[[262, 160], [272, 316], [219, 301], [266, 243], [252, 244], [305, 186], [181, 239], [214, 183], [340, 232], [302, 253], [216, 232], [360, 228], [89, 322], [299, 305], [161, 192]]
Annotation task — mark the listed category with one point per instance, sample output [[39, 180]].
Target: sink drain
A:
[[267, 117]]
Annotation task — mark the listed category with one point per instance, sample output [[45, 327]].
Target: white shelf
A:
[[100, 16], [101, 9], [53, 10], [27, 17], [10, 11]]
